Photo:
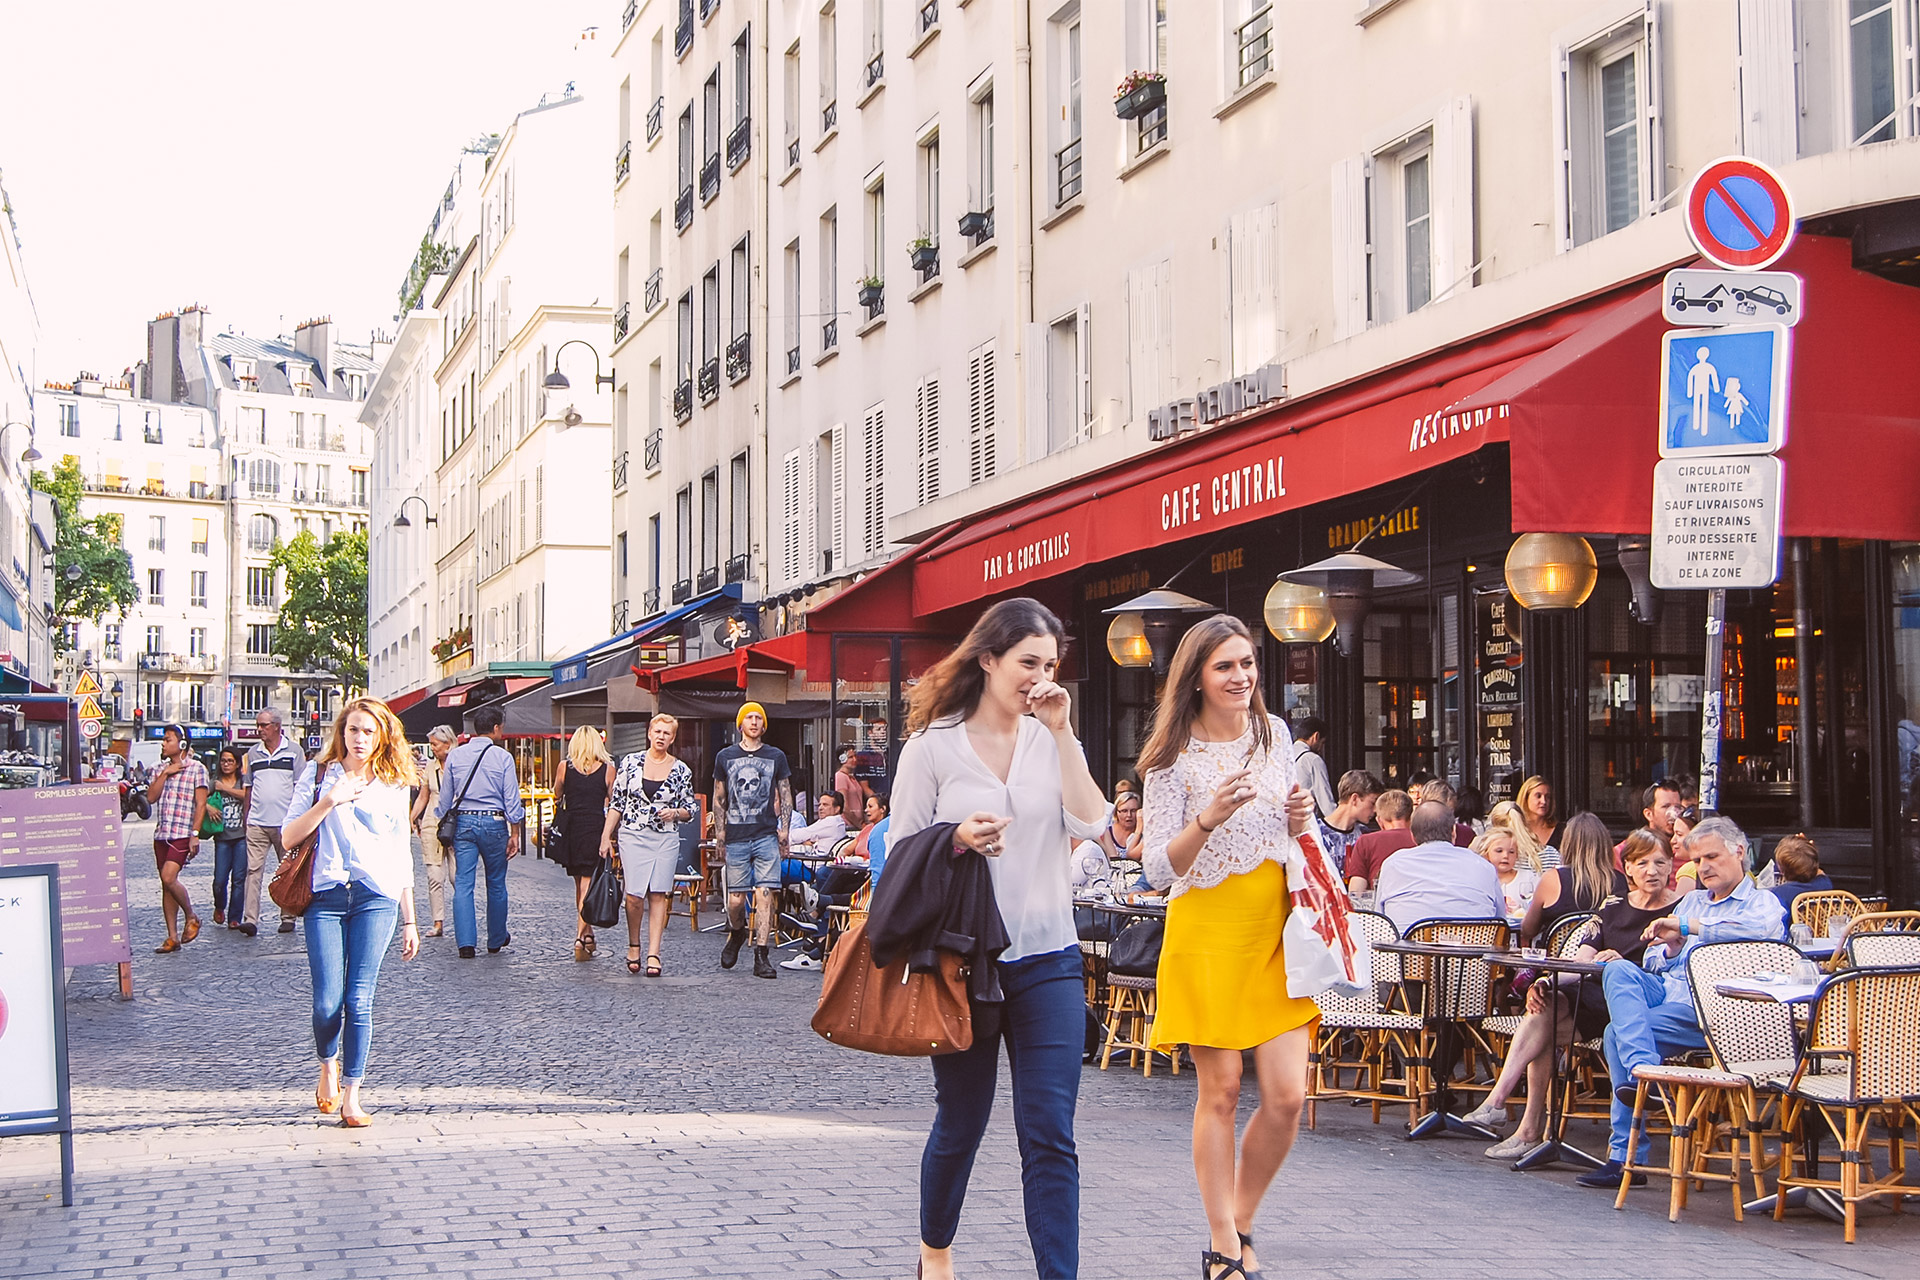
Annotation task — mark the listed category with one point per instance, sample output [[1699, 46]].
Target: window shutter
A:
[[523, 519], [1653, 167], [1150, 336], [982, 418], [1453, 196], [1562, 148], [809, 514], [790, 517], [539, 504], [926, 430], [1349, 246], [1767, 112], [838, 465], [1254, 266], [873, 450]]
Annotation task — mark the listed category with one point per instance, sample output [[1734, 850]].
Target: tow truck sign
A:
[[1714, 298]]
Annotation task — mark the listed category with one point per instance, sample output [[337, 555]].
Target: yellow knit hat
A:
[[747, 709]]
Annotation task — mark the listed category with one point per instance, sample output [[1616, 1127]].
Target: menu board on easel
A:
[[78, 829], [1498, 659]]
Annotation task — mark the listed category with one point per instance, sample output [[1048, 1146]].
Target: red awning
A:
[[456, 697], [780, 655], [1325, 446], [1583, 418], [401, 701]]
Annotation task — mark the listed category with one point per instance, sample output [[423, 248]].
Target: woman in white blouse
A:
[[991, 747], [356, 794], [1222, 810]]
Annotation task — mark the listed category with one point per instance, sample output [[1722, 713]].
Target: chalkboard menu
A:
[[1499, 657], [77, 828]]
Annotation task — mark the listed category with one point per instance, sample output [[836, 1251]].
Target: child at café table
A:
[[1650, 1004], [1618, 933], [1517, 883]]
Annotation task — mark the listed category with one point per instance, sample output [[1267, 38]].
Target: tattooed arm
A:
[[783, 809], [720, 812]]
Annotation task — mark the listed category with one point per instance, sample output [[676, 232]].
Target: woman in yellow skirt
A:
[[1221, 804]]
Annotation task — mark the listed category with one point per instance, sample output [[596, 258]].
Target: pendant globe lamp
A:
[[1350, 581], [1297, 614], [1145, 629], [1551, 570]]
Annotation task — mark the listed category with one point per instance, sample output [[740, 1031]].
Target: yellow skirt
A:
[[1223, 972]]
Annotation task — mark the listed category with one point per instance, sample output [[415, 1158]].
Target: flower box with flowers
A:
[[1139, 93]]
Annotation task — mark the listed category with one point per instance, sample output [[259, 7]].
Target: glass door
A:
[[1398, 714]]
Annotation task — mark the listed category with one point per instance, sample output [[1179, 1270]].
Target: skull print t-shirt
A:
[[752, 779]]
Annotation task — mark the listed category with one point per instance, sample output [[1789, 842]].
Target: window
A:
[[156, 639], [1249, 41], [323, 483], [791, 294], [683, 200], [302, 490], [110, 640], [1607, 120], [253, 426], [1818, 77], [156, 586], [254, 698], [926, 441], [197, 701], [151, 692], [200, 529], [358, 477], [259, 640], [929, 185], [710, 521], [742, 80], [1403, 232], [1068, 408], [741, 279], [197, 642], [263, 478], [790, 100], [983, 421], [739, 508], [197, 589], [262, 532], [684, 334], [156, 533], [829, 279], [620, 557], [710, 319], [710, 130], [653, 560], [297, 431], [829, 68], [260, 587], [980, 130], [829, 514], [1063, 122], [70, 420], [875, 266], [873, 468], [1147, 51], [683, 536]]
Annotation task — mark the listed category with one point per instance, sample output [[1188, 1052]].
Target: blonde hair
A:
[[587, 750], [391, 759], [661, 717], [1484, 841], [1506, 815]]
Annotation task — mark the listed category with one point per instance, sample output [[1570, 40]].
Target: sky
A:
[[271, 161]]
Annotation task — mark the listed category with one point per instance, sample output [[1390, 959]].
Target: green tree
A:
[[323, 624], [92, 572]]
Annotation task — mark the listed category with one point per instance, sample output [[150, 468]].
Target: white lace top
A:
[[1256, 833]]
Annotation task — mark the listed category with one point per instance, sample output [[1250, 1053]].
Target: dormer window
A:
[[243, 372]]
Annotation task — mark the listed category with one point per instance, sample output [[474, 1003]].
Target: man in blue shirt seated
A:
[[1650, 1004]]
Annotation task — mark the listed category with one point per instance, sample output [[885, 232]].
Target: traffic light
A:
[[139, 717], [313, 720]]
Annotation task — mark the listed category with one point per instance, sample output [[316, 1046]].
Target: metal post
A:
[[66, 1167], [1803, 732], [1710, 702]]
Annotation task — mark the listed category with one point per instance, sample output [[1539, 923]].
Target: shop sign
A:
[[1348, 533], [1500, 651], [1223, 400], [1716, 522], [1497, 679], [1227, 561], [1121, 586]]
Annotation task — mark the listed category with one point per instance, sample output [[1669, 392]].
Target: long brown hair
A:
[[1180, 703], [952, 688], [392, 759], [1586, 853]]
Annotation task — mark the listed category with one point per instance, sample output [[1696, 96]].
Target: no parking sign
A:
[[1738, 214]]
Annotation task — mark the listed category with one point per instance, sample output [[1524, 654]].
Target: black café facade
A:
[[1546, 428]]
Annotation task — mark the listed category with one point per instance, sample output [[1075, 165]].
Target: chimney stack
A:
[[314, 339]]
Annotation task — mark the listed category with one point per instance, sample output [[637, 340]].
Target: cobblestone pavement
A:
[[540, 1117]]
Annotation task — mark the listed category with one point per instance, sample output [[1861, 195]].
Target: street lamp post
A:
[[400, 520]]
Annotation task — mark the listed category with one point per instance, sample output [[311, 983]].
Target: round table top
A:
[[1406, 946], [1545, 964]]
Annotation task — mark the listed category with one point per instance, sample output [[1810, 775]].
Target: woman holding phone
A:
[[1222, 811], [991, 747]]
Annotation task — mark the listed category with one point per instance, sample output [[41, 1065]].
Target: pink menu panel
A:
[[77, 827]]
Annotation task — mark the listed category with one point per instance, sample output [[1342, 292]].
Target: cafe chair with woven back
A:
[[1459, 1004], [1874, 922], [1815, 909], [1882, 950], [1861, 1063], [1563, 940], [1750, 1039], [1359, 1041]]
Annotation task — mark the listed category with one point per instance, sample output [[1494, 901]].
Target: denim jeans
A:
[[1044, 1026], [348, 929], [230, 876], [481, 840], [1646, 1025]]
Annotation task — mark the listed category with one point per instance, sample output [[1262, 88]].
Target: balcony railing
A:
[[622, 318], [180, 661], [793, 153], [619, 617], [649, 602], [650, 296], [709, 580], [830, 117], [1254, 37], [739, 357], [739, 144], [709, 178], [683, 400], [623, 162], [656, 118], [793, 359], [1153, 130], [708, 380], [620, 471], [1066, 172], [737, 569], [830, 334], [683, 209], [929, 16], [682, 591], [977, 227], [628, 14], [683, 30], [121, 484], [708, 8], [651, 450], [876, 68]]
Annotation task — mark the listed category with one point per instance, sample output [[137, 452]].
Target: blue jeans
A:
[[1044, 1025], [481, 839], [230, 875], [348, 929], [1646, 1025]]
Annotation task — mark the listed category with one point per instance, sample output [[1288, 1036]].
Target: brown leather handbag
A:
[[892, 1010], [292, 885]]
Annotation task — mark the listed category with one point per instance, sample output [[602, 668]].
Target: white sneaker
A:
[[1511, 1148], [801, 961], [1488, 1116]]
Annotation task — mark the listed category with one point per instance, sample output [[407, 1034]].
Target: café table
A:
[[1445, 958], [1800, 994], [1553, 1148]]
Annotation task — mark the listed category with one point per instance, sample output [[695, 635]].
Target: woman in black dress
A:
[[580, 784]]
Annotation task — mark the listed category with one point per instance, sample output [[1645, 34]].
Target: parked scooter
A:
[[133, 793]]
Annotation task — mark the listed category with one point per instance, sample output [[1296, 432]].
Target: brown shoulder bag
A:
[[292, 885], [892, 1010]]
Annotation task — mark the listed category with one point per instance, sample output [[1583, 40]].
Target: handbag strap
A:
[[471, 775]]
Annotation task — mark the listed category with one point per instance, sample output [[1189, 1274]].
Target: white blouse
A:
[[1257, 831], [941, 778], [365, 841]]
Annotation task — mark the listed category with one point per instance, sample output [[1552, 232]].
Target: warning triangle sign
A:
[[90, 708], [87, 684]]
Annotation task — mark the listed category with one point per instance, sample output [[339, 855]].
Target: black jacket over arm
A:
[[932, 899]]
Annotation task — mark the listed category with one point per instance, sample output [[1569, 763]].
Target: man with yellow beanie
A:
[[753, 807]]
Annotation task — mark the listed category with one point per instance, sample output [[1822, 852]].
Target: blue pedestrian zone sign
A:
[[1723, 390]]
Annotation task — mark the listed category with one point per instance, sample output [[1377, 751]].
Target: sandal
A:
[[588, 941], [580, 953], [1209, 1259], [653, 966], [633, 959]]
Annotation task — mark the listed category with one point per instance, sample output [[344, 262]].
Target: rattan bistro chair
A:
[[1815, 909], [1861, 1058], [1563, 939], [1883, 950], [1468, 998], [1357, 1039], [1750, 1039], [1875, 922]]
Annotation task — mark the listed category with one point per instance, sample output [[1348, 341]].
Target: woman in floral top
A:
[[652, 795]]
